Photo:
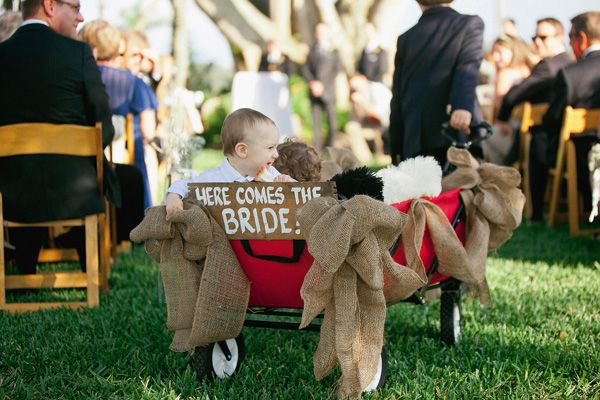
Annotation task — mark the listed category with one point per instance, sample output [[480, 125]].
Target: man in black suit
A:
[[47, 76], [436, 68], [537, 87], [274, 59], [577, 85], [320, 70], [373, 59]]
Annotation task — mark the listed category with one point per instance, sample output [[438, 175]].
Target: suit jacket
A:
[[373, 64], [537, 87], [50, 78], [576, 85], [436, 65], [322, 66]]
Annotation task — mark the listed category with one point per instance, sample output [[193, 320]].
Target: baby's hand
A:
[[173, 203], [284, 178]]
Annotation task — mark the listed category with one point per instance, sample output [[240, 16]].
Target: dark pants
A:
[[542, 157], [317, 107], [131, 213], [29, 241]]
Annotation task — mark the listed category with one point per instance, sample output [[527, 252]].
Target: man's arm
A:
[[552, 120], [540, 81], [464, 80], [396, 127], [97, 105]]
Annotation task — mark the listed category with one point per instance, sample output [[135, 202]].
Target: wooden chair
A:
[[73, 140], [127, 144], [530, 115], [575, 121]]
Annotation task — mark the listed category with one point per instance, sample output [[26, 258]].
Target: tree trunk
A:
[[181, 52], [281, 14]]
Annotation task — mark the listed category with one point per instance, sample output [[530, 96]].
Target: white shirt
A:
[[34, 21], [594, 47], [222, 174]]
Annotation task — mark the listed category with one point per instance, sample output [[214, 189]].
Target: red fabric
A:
[[448, 202], [277, 284]]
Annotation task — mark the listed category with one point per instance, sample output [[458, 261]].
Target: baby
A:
[[299, 160], [250, 141]]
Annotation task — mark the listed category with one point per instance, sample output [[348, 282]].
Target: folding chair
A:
[[576, 121], [530, 115], [72, 140], [125, 147]]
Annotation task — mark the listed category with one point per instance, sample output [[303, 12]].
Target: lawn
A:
[[541, 340]]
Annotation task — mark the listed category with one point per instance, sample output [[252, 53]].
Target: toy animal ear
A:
[[358, 181]]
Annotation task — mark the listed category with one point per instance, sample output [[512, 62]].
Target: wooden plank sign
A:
[[258, 210]]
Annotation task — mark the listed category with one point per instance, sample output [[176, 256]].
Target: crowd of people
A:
[[53, 72]]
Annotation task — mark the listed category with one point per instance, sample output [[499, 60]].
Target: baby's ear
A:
[[241, 150]]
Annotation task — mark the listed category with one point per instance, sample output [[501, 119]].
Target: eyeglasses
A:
[[74, 7], [541, 37]]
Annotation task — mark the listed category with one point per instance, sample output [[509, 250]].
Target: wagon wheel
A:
[[450, 318], [220, 360], [381, 373]]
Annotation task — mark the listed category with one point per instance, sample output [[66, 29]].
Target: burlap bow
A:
[[206, 290], [349, 242], [493, 201]]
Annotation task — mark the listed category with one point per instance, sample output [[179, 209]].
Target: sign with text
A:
[[257, 210]]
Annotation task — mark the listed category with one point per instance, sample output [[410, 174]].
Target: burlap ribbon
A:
[[493, 201], [453, 259], [349, 242], [206, 290]]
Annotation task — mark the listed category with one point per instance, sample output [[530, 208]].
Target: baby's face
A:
[[262, 147]]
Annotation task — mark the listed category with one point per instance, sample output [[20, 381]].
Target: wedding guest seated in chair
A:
[[577, 85], [49, 77], [124, 95]]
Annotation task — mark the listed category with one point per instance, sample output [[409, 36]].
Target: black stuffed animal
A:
[[360, 180]]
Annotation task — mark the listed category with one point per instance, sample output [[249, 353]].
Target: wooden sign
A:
[[258, 210]]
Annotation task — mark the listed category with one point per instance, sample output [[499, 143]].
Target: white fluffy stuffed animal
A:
[[412, 178]]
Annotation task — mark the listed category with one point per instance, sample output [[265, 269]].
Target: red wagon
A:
[[276, 270]]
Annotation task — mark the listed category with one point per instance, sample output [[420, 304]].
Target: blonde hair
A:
[[103, 37], [236, 126], [298, 160], [520, 51]]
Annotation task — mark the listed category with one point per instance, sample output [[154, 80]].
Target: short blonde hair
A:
[[236, 126], [103, 37], [299, 160]]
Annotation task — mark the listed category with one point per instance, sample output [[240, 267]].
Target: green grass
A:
[[540, 341]]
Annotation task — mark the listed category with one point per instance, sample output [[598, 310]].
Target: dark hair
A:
[[298, 160], [433, 2], [589, 23], [9, 22], [30, 7], [558, 26]]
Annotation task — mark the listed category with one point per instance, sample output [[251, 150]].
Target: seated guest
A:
[[510, 56], [144, 122], [299, 160], [48, 76], [577, 85], [537, 88], [124, 93]]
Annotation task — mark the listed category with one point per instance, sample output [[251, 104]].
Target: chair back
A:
[[532, 114], [45, 138]]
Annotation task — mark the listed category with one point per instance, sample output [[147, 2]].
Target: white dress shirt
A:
[[222, 174]]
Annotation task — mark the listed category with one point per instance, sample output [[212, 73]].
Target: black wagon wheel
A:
[[218, 360], [380, 374], [450, 318]]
